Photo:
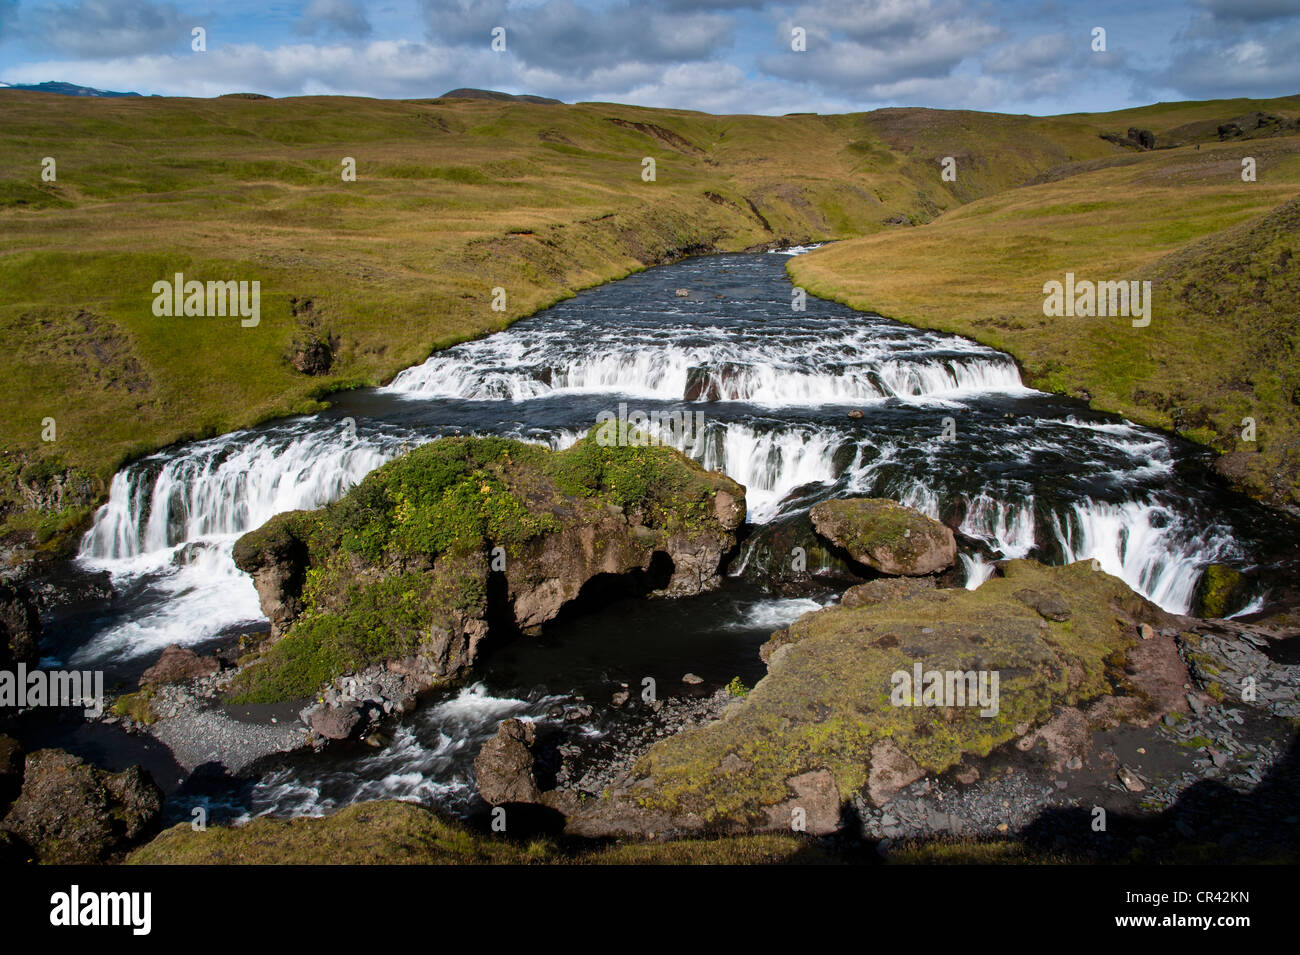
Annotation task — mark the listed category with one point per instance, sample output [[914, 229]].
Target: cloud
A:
[[871, 50], [341, 16], [385, 68], [1251, 11], [573, 39], [1253, 53], [104, 28]]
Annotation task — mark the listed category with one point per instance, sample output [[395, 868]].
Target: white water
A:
[[1145, 544], [428, 760], [166, 533], [171, 523]]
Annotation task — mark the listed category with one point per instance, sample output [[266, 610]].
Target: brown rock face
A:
[[276, 558], [72, 813], [178, 664], [20, 628], [814, 808], [504, 766], [335, 722], [886, 536], [887, 588], [891, 770]]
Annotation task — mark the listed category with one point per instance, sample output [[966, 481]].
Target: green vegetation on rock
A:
[[408, 552], [826, 700]]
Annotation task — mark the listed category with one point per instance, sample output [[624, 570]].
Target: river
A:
[[947, 426]]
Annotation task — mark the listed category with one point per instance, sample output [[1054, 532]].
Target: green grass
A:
[[828, 699]]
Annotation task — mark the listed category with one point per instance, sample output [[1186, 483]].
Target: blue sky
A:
[[725, 56]]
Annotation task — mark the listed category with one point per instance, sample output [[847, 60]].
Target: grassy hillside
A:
[[1220, 253], [452, 199]]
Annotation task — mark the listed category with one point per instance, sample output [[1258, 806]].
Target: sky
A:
[[721, 56]]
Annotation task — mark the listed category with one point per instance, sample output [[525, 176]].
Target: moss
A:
[[827, 698], [136, 706], [1217, 591]]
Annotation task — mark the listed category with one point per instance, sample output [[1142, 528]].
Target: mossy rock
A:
[[1219, 591], [887, 536], [829, 696], [402, 564]]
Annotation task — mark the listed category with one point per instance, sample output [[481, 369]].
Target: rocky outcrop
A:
[[275, 556], [178, 664], [1039, 658], [72, 813], [503, 768], [411, 570], [20, 627], [886, 535]]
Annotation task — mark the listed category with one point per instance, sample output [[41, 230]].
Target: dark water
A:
[[947, 427]]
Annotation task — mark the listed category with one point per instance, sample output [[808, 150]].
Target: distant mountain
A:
[[466, 93], [64, 89]]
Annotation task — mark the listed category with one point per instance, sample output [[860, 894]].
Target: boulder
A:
[[334, 722], [431, 547], [814, 808], [20, 627], [178, 664], [1050, 605], [503, 768], [72, 813], [1218, 591], [886, 535], [891, 771], [886, 588]]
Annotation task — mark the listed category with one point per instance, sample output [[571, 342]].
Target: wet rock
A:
[[334, 722], [72, 813], [886, 535], [503, 768], [178, 664], [20, 627], [857, 414]]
